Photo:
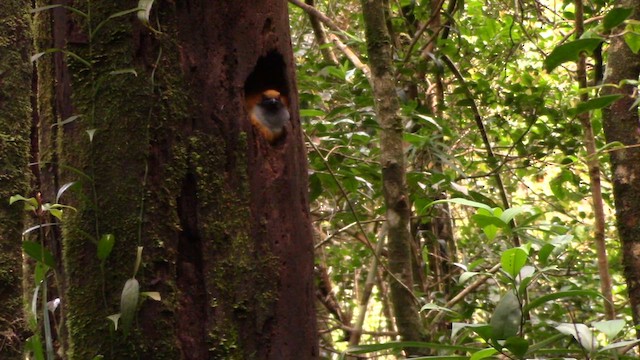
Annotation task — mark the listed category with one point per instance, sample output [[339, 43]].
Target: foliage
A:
[[516, 75]]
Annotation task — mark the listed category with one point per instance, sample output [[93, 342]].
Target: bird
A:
[[269, 113]]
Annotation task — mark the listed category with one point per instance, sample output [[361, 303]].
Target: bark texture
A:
[[393, 170], [172, 163], [621, 123], [15, 125]]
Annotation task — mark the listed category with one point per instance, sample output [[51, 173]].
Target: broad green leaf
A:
[[510, 213], [597, 103], [610, 328], [615, 17], [544, 252], [490, 231], [38, 253], [483, 354], [632, 38], [559, 295], [512, 260], [569, 51], [581, 333], [129, 304], [105, 245], [506, 318], [517, 345]]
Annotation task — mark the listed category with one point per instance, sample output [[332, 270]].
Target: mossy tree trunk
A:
[[621, 124], [166, 158], [398, 212], [15, 125]]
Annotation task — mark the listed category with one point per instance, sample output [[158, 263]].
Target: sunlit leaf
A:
[[581, 333], [610, 328]]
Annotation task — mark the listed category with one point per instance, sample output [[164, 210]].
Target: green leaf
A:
[[512, 260], [517, 345], [559, 295], [34, 344], [544, 252], [311, 112], [510, 213], [129, 304], [30, 203], [38, 253], [616, 17], [632, 38], [490, 231], [610, 328], [105, 245], [483, 354], [569, 51], [506, 318], [462, 201], [597, 103]]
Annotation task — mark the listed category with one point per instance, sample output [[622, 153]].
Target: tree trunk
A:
[[393, 171], [15, 126], [620, 123], [170, 161]]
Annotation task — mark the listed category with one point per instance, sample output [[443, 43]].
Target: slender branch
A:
[[485, 139]]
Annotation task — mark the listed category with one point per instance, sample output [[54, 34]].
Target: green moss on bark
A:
[[15, 122]]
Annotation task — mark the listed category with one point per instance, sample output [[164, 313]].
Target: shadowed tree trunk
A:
[[15, 114], [620, 123], [166, 158]]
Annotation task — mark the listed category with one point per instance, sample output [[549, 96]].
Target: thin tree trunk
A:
[[15, 126], [594, 176], [393, 171], [620, 122]]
